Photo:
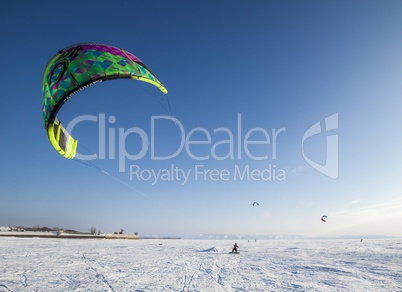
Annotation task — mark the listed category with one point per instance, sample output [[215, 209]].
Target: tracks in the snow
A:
[[101, 277]]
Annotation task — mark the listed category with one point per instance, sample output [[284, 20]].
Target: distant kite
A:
[[323, 218], [255, 203]]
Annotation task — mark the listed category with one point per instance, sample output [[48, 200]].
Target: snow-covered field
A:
[[34, 264]]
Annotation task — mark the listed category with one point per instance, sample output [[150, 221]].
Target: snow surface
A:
[[39, 264]]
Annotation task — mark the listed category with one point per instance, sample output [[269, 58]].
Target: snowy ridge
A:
[[214, 249]]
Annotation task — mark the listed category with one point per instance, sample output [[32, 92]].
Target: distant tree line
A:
[[36, 228]]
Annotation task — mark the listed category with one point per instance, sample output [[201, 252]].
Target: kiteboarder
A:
[[235, 247]]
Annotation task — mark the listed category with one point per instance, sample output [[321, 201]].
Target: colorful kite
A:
[[323, 218], [77, 67]]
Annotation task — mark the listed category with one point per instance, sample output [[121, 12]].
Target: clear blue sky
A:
[[279, 64]]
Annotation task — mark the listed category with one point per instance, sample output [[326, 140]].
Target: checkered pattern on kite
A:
[[81, 65]]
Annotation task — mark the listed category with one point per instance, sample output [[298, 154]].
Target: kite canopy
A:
[[255, 203], [77, 67], [323, 218]]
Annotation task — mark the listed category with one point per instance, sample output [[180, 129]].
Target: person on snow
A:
[[235, 247]]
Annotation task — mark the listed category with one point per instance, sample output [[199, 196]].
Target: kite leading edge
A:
[[77, 67]]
